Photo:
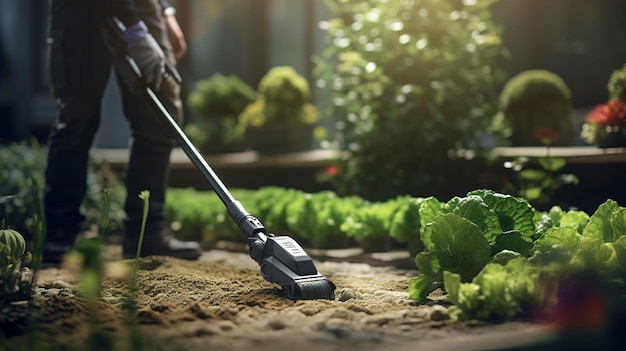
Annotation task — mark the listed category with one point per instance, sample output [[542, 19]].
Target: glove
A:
[[146, 52]]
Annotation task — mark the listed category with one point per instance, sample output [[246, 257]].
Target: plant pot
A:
[[613, 137], [280, 138]]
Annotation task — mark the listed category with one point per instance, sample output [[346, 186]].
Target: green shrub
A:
[[617, 84], [218, 100], [536, 104], [20, 165], [220, 95], [283, 96], [24, 163], [409, 81]]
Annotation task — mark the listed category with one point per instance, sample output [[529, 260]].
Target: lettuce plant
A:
[[514, 264], [370, 226], [405, 225]]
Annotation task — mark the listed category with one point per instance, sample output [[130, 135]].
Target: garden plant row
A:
[[493, 255]]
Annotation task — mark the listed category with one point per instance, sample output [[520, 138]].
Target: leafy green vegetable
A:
[[13, 253], [370, 225], [544, 223], [514, 241], [564, 239], [474, 209], [431, 208], [598, 257], [513, 213], [618, 223], [498, 292], [556, 213], [599, 226], [504, 256], [575, 219], [14, 242], [405, 225], [453, 244]]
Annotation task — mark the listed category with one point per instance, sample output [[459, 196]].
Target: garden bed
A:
[[222, 302]]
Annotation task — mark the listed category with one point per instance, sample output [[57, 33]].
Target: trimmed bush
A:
[[283, 96], [536, 105], [218, 100]]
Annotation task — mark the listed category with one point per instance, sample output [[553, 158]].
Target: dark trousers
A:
[[80, 66]]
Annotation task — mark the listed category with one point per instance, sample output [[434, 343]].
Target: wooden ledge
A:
[[571, 154], [118, 158], [248, 159]]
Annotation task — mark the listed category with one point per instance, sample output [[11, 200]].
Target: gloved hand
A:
[[146, 52]]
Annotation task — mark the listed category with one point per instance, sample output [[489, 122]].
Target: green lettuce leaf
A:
[[430, 208], [458, 245], [405, 225], [599, 226], [564, 239], [498, 292], [475, 210], [504, 256], [597, 256], [575, 219], [618, 223], [514, 241], [556, 213], [542, 225], [513, 213]]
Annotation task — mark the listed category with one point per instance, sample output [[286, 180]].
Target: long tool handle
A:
[[194, 155]]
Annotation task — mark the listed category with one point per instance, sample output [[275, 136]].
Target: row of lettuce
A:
[[321, 220], [493, 255]]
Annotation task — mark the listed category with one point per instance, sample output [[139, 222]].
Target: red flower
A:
[[546, 135], [613, 113], [331, 171]]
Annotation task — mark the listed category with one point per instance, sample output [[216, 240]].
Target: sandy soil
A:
[[221, 302]]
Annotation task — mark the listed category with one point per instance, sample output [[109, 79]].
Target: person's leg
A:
[[148, 166], [79, 69]]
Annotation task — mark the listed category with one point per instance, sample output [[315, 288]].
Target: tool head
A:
[[320, 288], [285, 263]]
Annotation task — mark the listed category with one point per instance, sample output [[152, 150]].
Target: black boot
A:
[[57, 244]]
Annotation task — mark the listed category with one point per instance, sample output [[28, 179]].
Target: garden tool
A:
[[281, 259]]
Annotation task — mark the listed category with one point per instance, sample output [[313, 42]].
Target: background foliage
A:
[[410, 80]]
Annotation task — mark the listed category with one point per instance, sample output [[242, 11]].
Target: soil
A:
[[222, 302]]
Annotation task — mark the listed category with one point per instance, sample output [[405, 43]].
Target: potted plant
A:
[[218, 100], [605, 124], [282, 117], [532, 102]]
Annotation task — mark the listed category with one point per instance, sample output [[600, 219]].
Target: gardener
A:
[[79, 69]]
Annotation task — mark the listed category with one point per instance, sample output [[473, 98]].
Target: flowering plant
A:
[[603, 120]]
